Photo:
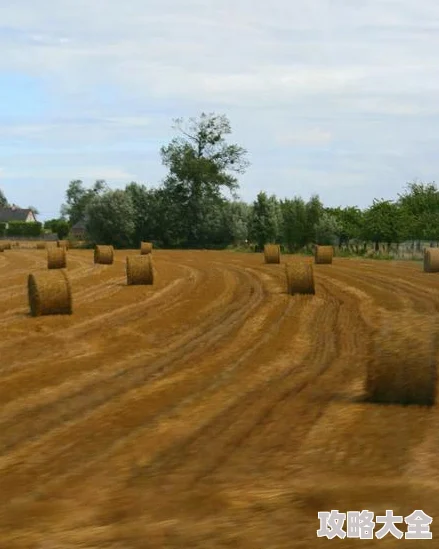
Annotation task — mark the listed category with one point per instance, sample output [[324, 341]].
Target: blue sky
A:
[[333, 97]]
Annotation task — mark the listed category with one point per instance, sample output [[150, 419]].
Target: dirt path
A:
[[210, 410]]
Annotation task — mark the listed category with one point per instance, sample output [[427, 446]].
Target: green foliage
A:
[[351, 222], [190, 208], [420, 203], [49, 224], [22, 228], [314, 210], [3, 201], [327, 230], [236, 222], [62, 229], [201, 164], [58, 226], [2, 229], [110, 219], [78, 198], [385, 221], [264, 220], [145, 204], [294, 223]]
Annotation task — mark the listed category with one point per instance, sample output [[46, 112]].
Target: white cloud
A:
[[356, 81], [89, 173], [314, 136]]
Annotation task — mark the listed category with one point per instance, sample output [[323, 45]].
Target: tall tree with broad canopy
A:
[[420, 201], [110, 218], [201, 165], [264, 225], [385, 221], [78, 198]]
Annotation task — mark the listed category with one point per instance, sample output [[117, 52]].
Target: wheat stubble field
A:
[[210, 410]]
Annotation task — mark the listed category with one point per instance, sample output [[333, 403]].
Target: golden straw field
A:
[[210, 409]]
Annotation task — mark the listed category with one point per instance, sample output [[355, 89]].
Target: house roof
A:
[[80, 225], [13, 214]]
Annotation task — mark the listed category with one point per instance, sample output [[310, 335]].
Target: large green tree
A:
[[314, 210], [110, 219], [78, 197], [236, 220], [201, 166], [264, 220], [147, 218], [327, 230], [294, 228], [58, 226], [420, 202], [385, 221], [350, 219]]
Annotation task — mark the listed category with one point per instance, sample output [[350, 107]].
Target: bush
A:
[[22, 228], [2, 229]]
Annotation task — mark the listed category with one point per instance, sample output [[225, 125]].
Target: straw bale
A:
[[56, 258], [431, 260], [63, 244], [272, 253], [139, 270], [323, 255], [41, 246], [104, 255], [6, 244], [145, 248], [49, 293], [401, 366], [300, 278]]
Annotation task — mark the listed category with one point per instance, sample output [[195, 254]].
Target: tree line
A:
[[197, 206]]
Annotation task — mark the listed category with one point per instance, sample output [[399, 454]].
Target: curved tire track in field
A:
[[231, 385], [131, 375]]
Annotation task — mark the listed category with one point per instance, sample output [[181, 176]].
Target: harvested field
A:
[[208, 410]]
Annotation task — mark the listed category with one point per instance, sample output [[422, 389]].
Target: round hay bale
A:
[[401, 366], [104, 255], [300, 278], [56, 258], [139, 270], [63, 244], [49, 293], [323, 255], [272, 253], [41, 246], [431, 260], [145, 248]]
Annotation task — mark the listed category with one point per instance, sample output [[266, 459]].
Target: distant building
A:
[[14, 213], [78, 229]]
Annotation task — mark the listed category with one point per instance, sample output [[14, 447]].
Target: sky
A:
[[338, 98]]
